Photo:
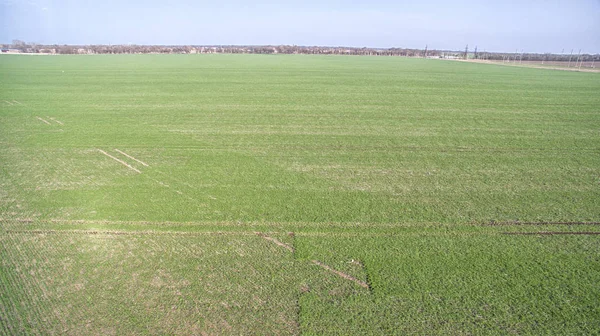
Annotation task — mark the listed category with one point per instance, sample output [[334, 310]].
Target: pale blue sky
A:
[[531, 25]]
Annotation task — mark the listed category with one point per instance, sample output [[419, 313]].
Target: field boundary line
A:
[[120, 161], [43, 120], [9, 103], [131, 157], [516, 223], [342, 274], [18, 220], [551, 233], [524, 65], [277, 242], [56, 121], [117, 222], [129, 233], [17, 102]]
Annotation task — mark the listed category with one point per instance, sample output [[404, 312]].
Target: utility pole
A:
[[425, 54], [466, 51], [569, 65], [521, 58]]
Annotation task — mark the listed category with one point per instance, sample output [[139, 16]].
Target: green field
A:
[[296, 194]]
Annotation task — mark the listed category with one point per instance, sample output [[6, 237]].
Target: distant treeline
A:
[[22, 47]]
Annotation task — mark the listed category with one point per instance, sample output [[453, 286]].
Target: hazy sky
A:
[[531, 25]]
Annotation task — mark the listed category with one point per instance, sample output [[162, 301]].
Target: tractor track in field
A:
[[131, 157], [56, 121], [517, 223], [43, 120], [129, 233], [277, 242], [121, 161], [342, 274], [317, 262], [552, 233]]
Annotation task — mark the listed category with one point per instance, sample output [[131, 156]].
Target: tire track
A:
[[277, 242], [131, 157], [120, 161], [41, 119], [342, 274]]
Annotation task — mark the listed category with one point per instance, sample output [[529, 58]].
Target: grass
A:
[[387, 169], [138, 284], [461, 283]]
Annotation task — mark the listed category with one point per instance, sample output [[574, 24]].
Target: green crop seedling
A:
[[296, 194]]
